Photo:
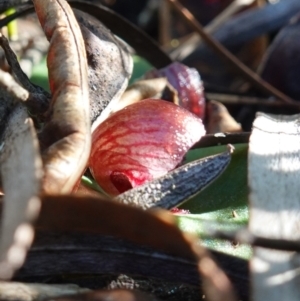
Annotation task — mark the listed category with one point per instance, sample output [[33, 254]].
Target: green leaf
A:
[[40, 75], [222, 205], [140, 67], [229, 192]]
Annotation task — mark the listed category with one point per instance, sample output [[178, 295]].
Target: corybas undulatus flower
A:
[[143, 141]]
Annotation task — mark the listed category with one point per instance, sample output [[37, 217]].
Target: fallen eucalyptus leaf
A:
[[65, 139], [55, 215], [100, 257], [178, 185], [21, 170], [274, 165]]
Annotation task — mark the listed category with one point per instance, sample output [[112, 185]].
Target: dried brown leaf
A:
[[98, 215], [65, 139]]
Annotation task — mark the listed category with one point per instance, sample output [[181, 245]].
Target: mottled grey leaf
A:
[[178, 185], [109, 66]]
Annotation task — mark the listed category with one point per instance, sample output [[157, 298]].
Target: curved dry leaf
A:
[[274, 172], [21, 170], [97, 215], [66, 138], [109, 66]]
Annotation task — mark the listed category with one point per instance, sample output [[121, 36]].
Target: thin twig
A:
[[248, 100], [189, 45], [39, 98], [226, 55], [14, 64], [164, 23], [222, 139], [246, 237]]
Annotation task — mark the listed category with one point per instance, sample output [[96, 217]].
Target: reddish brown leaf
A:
[[97, 215], [65, 140]]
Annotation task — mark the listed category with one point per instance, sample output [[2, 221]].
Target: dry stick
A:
[[231, 99], [246, 237], [188, 46], [226, 55], [39, 99], [164, 23], [222, 139], [14, 64]]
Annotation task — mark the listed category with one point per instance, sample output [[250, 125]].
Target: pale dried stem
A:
[[8, 83]]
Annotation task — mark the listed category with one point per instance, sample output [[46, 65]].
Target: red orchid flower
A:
[[141, 142]]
